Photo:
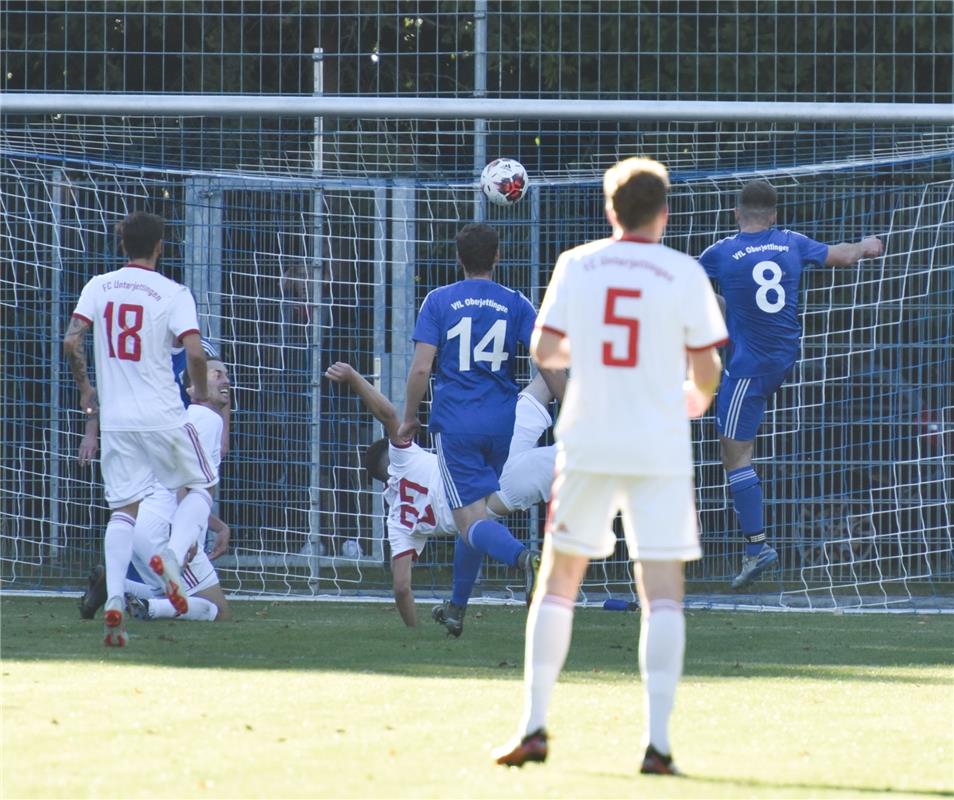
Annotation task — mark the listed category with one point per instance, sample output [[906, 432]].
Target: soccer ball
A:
[[504, 181]]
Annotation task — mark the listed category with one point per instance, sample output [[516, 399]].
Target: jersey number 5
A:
[[129, 320], [631, 356], [489, 348]]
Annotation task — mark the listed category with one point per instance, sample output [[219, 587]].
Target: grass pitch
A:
[[335, 700]]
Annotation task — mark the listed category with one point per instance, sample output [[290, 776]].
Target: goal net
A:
[[307, 248]]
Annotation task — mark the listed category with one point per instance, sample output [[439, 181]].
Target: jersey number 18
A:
[[128, 345]]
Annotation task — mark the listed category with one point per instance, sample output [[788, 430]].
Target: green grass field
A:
[[335, 700]]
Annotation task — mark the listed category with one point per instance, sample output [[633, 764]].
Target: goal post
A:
[[294, 267]]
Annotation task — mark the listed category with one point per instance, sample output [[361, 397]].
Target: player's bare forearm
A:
[[403, 596], [382, 408], [846, 254], [90, 441], [414, 393], [220, 543], [74, 347], [555, 380], [550, 350]]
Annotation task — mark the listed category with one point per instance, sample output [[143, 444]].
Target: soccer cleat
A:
[[655, 763], [450, 616], [532, 747], [164, 564], [137, 607], [95, 595], [114, 625], [753, 566], [531, 568]]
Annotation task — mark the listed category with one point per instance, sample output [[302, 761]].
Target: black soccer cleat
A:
[[530, 564], [655, 763], [450, 616], [532, 747], [94, 598]]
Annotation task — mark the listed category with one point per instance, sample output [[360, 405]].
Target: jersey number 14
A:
[[490, 348]]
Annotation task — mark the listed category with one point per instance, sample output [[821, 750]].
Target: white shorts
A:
[[152, 535], [133, 460], [659, 516], [404, 542]]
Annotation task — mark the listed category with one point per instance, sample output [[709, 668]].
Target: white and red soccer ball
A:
[[504, 181]]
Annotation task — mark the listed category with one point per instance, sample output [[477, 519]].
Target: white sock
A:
[[190, 520], [549, 627], [140, 590], [662, 642], [200, 609], [117, 551]]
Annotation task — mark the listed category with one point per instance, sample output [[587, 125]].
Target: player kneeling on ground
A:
[[145, 598]]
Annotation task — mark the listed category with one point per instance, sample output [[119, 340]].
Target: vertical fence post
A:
[[56, 333], [381, 365], [480, 90]]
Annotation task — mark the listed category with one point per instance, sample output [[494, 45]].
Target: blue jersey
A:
[[759, 275], [179, 367], [475, 325]]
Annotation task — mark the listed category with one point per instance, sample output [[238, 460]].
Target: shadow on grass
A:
[[370, 638], [808, 787]]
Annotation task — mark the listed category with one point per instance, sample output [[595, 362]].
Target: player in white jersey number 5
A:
[[622, 313], [137, 317]]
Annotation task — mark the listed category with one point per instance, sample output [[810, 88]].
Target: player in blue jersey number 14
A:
[[758, 271], [473, 328]]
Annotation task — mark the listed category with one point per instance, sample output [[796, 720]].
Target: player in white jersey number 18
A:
[[137, 317]]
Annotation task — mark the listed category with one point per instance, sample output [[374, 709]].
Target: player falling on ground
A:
[[414, 495], [623, 313], [758, 271], [137, 316], [144, 597], [472, 327]]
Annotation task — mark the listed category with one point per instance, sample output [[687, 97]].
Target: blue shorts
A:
[[470, 465], [740, 405]]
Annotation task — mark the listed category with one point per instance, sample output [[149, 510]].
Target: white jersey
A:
[[417, 503], [208, 425], [630, 309], [137, 316]]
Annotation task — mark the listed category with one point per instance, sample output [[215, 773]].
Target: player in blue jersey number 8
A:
[[472, 327], [758, 271]]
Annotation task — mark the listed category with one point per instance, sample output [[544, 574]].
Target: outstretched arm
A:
[[846, 254], [382, 408], [417, 380]]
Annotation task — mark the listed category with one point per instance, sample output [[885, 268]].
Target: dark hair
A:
[[140, 233], [636, 190], [758, 198], [477, 246], [371, 460]]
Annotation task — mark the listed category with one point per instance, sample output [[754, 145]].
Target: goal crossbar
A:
[[232, 105]]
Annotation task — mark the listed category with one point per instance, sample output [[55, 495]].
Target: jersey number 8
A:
[[767, 284]]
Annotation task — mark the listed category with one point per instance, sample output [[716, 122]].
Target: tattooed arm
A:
[[74, 346]]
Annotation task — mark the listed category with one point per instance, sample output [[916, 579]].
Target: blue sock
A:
[[746, 490], [492, 538], [467, 563]]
